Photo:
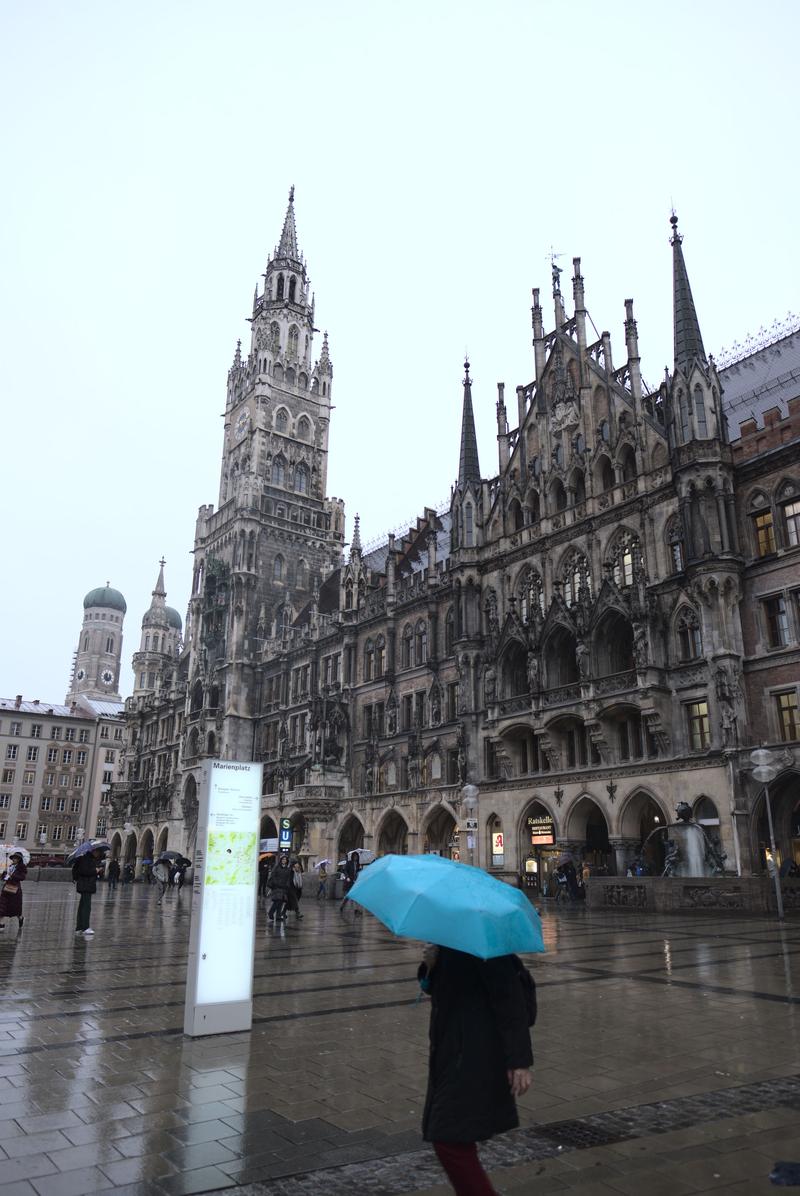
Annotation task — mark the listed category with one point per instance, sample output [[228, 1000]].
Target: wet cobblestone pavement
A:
[[667, 1058]]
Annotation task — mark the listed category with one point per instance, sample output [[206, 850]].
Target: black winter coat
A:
[[84, 873], [280, 878], [479, 1030]]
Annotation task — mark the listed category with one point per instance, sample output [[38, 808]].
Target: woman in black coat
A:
[[480, 1055], [84, 874], [11, 890]]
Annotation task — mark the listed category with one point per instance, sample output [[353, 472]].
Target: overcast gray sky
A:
[[438, 150]]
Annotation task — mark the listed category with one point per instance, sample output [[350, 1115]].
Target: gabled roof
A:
[[764, 379]]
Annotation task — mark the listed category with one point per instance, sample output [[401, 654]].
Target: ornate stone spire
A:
[[688, 341], [469, 469], [287, 246], [355, 546], [324, 364], [160, 589]]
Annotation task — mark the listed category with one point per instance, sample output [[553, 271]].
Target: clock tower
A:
[[262, 556], [96, 665]]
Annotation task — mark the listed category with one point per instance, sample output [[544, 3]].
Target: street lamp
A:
[[469, 798], [765, 770]]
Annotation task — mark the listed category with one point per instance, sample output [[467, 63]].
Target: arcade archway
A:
[[440, 833], [784, 794], [588, 830], [351, 836], [393, 836]]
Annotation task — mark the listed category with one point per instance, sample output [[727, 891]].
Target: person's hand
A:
[[519, 1080]]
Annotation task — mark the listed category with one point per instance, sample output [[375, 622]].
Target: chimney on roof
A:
[[18, 701], [36, 701]]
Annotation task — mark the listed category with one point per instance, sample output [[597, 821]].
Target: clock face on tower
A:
[[106, 676], [80, 675], [242, 423]]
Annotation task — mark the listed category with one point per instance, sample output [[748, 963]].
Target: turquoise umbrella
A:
[[455, 905]]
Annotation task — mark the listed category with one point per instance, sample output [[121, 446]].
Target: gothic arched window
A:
[[529, 594], [147, 643], [575, 574], [303, 428], [626, 557], [279, 292], [408, 647], [291, 347], [348, 596], [380, 656], [700, 413], [281, 419], [292, 288], [369, 660], [275, 337], [421, 643], [690, 640], [301, 479], [683, 411], [449, 632], [469, 533], [277, 568], [278, 471]]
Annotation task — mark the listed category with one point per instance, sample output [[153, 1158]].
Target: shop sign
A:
[[471, 824], [542, 830], [497, 848], [286, 834]]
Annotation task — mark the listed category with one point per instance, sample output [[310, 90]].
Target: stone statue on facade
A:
[[490, 685], [582, 659], [533, 673], [641, 651]]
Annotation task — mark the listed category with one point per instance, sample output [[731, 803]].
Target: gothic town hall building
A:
[[604, 624]]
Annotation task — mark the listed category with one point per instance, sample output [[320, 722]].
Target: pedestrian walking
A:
[[264, 865], [112, 875], [322, 889], [352, 868], [84, 874], [161, 877], [11, 891], [480, 1056], [295, 891], [128, 874], [280, 878]]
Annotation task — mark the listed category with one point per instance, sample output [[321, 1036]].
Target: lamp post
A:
[[469, 798], [765, 770]]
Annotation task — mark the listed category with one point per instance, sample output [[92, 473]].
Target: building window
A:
[[50, 778], [407, 709], [449, 632], [777, 622], [80, 758], [110, 756], [421, 645], [700, 413], [117, 733], [103, 734], [46, 803], [63, 780], [52, 755], [8, 776], [83, 736], [788, 720], [36, 730], [15, 729], [25, 801], [101, 828], [791, 519], [12, 751], [69, 734], [380, 656], [66, 756], [41, 830], [58, 833], [765, 533], [77, 781], [108, 778], [627, 556], [61, 804], [698, 727], [469, 533], [28, 777], [110, 644], [690, 641], [369, 660], [72, 832], [277, 569], [408, 648], [32, 754], [5, 801], [419, 709], [55, 732], [22, 830]]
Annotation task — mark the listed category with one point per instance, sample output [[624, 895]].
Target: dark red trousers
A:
[[460, 1161]]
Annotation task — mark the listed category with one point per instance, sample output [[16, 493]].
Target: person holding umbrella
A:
[[161, 877], [482, 998], [84, 873], [11, 891]]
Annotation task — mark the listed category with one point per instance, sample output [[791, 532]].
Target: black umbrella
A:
[[171, 855]]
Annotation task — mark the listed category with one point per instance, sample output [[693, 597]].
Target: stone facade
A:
[[573, 634]]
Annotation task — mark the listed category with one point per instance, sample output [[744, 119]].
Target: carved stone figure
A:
[[640, 646], [582, 659], [671, 858], [730, 725], [436, 705], [490, 685], [533, 673], [463, 684]]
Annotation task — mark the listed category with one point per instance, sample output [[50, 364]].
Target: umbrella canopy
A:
[[88, 846], [171, 855], [322, 864], [455, 905], [9, 849]]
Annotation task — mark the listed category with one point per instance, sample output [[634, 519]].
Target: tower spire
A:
[[355, 546], [469, 469], [287, 246], [688, 341], [160, 590]]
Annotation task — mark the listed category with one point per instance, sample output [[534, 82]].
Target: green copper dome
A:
[[173, 618], [106, 597]]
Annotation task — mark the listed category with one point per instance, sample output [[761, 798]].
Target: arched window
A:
[[277, 568], [579, 486], [197, 697], [86, 643], [690, 640], [605, 431], [558, 496], [421, 643], [700, 413], [627, 463], [604, 474], [533, 506], [369, 660], [291, 347], [348, 595], [515, 515], [449, 632], [302, 575], [281, 420], [626, 557], [380, 656], [763, 524], [275, 337], [683, 411], [575, 575], [469, 533], [147, 643], [407, 656], [110, 644], [675, 547], [529, 595], [279, 293], [789, 500], [301, 479], [278, 471], [292, 288], [303, 428]]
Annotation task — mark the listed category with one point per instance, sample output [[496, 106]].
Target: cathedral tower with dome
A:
[[96, 664]]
